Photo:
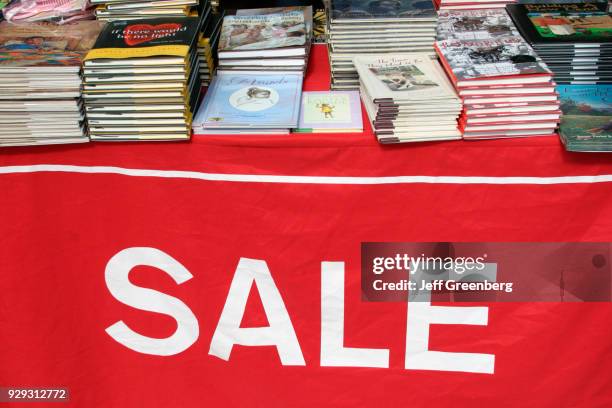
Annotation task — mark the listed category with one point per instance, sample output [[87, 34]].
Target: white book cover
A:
[[411, 76]]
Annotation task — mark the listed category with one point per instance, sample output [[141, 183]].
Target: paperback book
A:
[[246, 101], [330, 112], [586, 124]]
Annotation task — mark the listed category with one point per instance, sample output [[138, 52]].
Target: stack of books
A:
[[112, 10], [572, 38], [358, 27], [471, 4], [40, 83], [408, 98], [141, 80], [266, 39], [250, 103], [506, 89], [586, 124], [207, 47]]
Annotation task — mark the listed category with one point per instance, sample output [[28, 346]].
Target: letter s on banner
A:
[[118, 283]]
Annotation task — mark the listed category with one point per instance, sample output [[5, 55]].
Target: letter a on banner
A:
[[280, 333]]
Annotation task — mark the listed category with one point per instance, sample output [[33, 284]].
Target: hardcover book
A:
[[586, 123], [375, 9], [265, 31], [413, 76], [562, 23], [44, 45], [490, 58], [155, 37], [486, 24], [324, 112], [251, 101]]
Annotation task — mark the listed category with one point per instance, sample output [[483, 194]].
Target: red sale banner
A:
[[220, 275]]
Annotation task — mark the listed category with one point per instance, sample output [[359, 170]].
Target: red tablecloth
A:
[[292, 201]]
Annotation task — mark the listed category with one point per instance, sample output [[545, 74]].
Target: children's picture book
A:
[[251, 101], [586, 124], [563, 22], [244, 31], [471, 25], [330, 112]]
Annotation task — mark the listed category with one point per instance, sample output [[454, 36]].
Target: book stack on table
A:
[[507, 90], [141, 80], [207, 46], [376, 27], [266, 40], [40, 82], [408, 98], [572, 38]]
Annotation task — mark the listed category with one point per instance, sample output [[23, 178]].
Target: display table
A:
[[73, 217]]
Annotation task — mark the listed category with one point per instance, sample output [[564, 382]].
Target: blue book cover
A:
[[587, 116], [251, 101]]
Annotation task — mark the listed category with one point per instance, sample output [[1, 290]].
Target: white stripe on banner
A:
[[260, 178]]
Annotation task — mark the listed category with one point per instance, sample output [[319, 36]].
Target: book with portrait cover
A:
[[471, 25], [411, 76], [375, 10], [251, 101], [505, 60], [148, 38], [330, 112], [560, 23], [586, 124]]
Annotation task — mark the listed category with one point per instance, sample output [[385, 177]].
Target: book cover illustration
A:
[[46, 45], [242, 100], [487, 24], [366, 9], [587, 113], [255, 32], [414, 76], [575, 26], [559, 23], [331, 110], [491, 58], [146, 38], [401, 78]]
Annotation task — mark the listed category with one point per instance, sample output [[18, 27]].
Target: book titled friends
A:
[[251, 101], [330, 112]]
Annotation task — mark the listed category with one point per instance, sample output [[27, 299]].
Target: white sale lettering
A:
[[280, 332]]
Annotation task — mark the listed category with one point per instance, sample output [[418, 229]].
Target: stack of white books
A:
[[408, 98]]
